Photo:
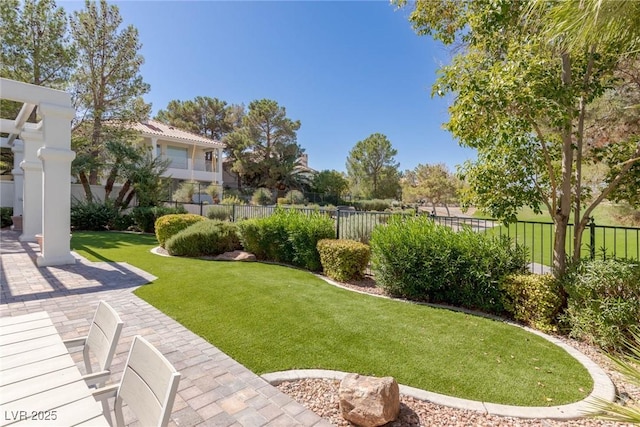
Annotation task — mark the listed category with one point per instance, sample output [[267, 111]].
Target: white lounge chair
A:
[[148, 387], [101, 341]]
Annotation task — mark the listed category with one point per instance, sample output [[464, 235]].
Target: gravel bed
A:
[[321, 395]]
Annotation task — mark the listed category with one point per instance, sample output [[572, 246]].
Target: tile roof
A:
[[156, 128]]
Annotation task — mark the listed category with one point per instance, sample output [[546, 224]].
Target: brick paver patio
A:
[[214, 390]]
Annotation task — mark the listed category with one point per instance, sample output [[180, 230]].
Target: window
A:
[[178, 157]]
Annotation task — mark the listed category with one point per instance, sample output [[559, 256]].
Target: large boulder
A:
[[369, 401]]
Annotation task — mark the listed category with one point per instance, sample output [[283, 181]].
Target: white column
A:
[[18, 177], [56, 157], [32, 185], [154, 147], [219, 173]]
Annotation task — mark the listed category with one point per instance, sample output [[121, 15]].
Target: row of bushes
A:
[[597, 301], [287, 236], [99, 216]]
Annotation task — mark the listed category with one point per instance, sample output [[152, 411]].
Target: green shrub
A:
[[414, 258], [603, 301], [372, 205], [232, 200], [287, 236], [93, 216], [294, 197], [533, 299], [144, 217], [205, 238], [262, 197], [282, 201], [220, 212], [122, 223], [5, 217], [169, 225], [343, 260]]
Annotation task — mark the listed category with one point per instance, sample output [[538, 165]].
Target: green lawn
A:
[[273, 318], [538, 236]]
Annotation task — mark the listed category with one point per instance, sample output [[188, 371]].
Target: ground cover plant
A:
[[273, 318], [603, 301]]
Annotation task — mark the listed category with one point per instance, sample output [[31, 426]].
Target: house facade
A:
[[192, 157]]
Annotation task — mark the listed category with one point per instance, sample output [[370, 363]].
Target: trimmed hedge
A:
[[603, 301], [288, 236], [414, 258], [205, 238], [343, 259], [169, 225], [535, 300]]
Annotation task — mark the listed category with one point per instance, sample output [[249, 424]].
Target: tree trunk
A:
[[447, 208], [119, 203], [563, 209], [111, 179], [559, 245], [87, 187]]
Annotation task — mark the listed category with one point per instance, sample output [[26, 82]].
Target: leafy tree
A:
[[372, 169], [107, 84], [205, 116], [330, 183], [523, 102], [430, 182], [264, 150], [35, 46]]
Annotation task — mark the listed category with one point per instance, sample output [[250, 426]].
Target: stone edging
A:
[[602, 389]]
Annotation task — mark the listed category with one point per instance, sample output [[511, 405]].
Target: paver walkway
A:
[[214, 390]]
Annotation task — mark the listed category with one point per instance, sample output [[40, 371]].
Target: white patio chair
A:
[[101, 341], [148, 387]]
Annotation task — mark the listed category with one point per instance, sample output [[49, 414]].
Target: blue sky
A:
[[345, 69]]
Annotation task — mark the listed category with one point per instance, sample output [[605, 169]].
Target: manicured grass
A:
[[273, 318], [538, 236]]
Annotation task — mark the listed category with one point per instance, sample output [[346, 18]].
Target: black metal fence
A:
[[599, 241]]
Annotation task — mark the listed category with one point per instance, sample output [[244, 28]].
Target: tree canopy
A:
[[108, 86], [264, 150], [372, 169], [430, 183], [525, 102], [205, 116]]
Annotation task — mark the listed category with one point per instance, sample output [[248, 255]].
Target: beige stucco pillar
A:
[[18, 176], [56, 157], [219, 172], [154, 148], [32, 185]]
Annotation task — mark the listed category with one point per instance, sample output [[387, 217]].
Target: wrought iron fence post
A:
[[233, 213], [201, 203], [592, 238], [337, 222]]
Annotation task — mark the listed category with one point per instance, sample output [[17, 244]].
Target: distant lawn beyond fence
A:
[[598, 241]]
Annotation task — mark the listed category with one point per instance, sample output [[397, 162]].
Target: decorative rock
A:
[[369, 401], [235, 256]]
